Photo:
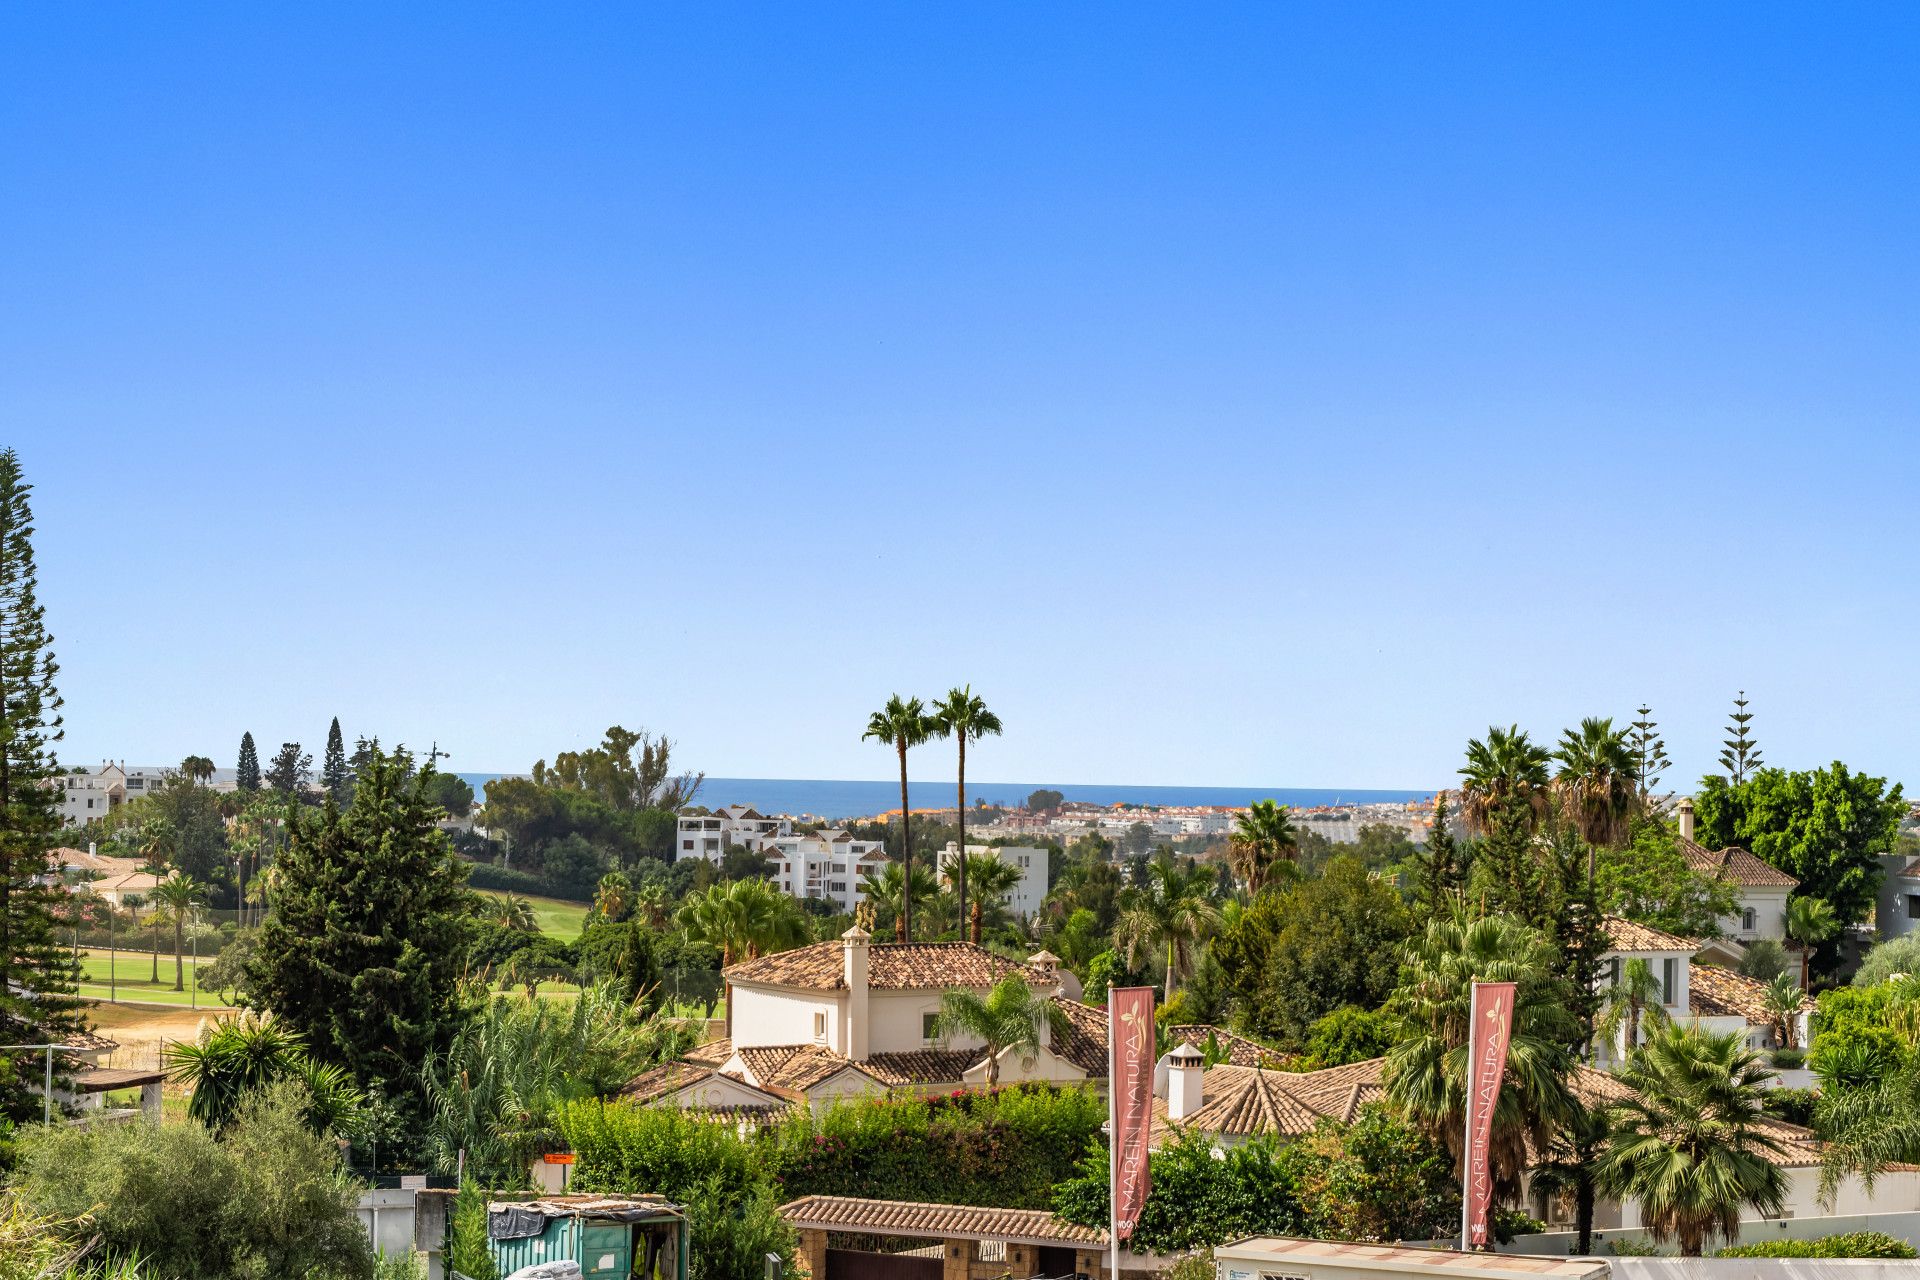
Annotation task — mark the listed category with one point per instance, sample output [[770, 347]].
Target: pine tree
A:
[[363, 951], [249, 766], [333, 771], [290, 770], [1649, 753], [1439, 862], [37, 974], [1507, 875], [1578, 929], [1742, 755]]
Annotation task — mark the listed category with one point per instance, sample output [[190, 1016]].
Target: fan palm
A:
[[1784, 1000], [178, 895], [1809, 922], [1426, 1070], [1595, 781], [962, 716], [1691, 1142], [1569, 1168], [1172, 910], [902, 724], [1629, 1004], [1262, 839], [612, 896], [1011, 1016], [1505, 766]]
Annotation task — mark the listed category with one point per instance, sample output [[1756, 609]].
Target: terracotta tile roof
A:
[[1085, 1044], [714, 1053], [891, 966], [1736, 866], [1626, 935], [1240, 1051], [666, 1079], [1721, 993], [951, 1221], [924, 1066], [796, 1068], [1240, 1102]]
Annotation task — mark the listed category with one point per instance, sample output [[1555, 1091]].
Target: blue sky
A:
[[1240, 395]]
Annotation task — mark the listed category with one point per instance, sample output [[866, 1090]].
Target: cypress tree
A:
[[37, 974], [249, 766], [363, 952], [1440, 871], [333, 769]]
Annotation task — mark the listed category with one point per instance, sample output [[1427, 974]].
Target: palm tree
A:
[[1426, 1071], [1174, 910], [1784, 1000], [1010, 1016], [1810, 922], [992, 879], [234, 1058], [887, 888], [902, 723], [1507, 766], [511, 911], [613, 895], [1569, 1167], [1262, 839], [178, 894], [962, 716], [198, 768], [1627, 1003], [1691, 1142], [1595, 781]]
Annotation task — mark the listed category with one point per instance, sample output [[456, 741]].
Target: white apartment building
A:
[[708, 837], [1024, 899], [830, 865], [86, 794]]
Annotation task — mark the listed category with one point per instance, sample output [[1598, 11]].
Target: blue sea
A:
[[837, 798]]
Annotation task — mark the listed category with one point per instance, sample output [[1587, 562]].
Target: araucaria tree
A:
[[1741, 755], [247, 771], [963, 716], [362, 953], [333, 768], [1437, 893], [37, 977], [902, 724]]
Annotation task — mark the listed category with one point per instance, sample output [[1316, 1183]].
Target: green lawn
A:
[[133, 971], [555, 916]]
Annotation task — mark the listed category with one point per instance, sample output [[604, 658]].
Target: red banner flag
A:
[[1490, 1027], [1130, 1062]]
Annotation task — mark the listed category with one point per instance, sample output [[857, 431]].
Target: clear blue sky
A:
[[1262, 395]]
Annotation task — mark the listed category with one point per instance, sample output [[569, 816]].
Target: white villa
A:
[[856, 1017], [1024, 899], [1717, 998], [1762, 890]]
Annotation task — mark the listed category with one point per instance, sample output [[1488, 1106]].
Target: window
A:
[[686, 844], [1669, 981], [1613, 971], [1913, 899], [819, 1025], [1748, 919], [929, 1023]]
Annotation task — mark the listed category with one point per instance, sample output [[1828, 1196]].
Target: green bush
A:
[[1795, 1106], [1351, 1035], [1850, 1244], [1006, 1149], [266, 1201]]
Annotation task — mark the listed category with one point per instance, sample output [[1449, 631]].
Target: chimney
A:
[[1045, 982], [854, 957], [1686, 818], [1186, 1066]]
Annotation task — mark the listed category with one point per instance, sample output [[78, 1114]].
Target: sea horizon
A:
[[837, 798]]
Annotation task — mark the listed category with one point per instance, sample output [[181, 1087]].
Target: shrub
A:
[[268, 1200], [1850, 1244], [1788, 1059], [1351, 1035], [1194, 1199], [1795, 1106], [1763, 959], [1888, 959], [486, 875]]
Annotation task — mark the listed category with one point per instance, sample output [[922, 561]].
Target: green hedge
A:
[[1850, 1244]]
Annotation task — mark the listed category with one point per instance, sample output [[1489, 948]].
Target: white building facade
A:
[[1024, 899], [86, 794]]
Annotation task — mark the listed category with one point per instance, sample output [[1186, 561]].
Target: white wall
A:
[[771, 1016], [894, 1022]]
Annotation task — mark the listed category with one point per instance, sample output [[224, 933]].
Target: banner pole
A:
[[1113, 1142], [1466, 1138]]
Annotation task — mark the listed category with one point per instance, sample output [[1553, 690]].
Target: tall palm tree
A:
[[1626, 1004], [1010, 1016], [1595, 781], [198, 768], [1426, 1071], [178, 895], [903, 724], [1569, 1168], [1809, 922], [1172, 910], [962, 716], [1691, 1142], [1263, 838], [1505, 766], [992, 880]]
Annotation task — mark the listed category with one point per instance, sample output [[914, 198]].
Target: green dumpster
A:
[[609, 1237]]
